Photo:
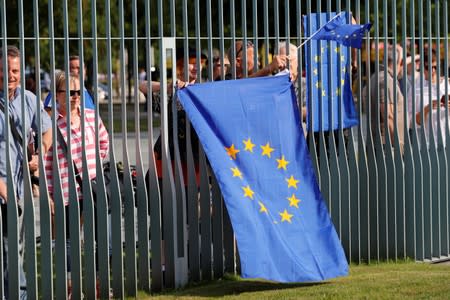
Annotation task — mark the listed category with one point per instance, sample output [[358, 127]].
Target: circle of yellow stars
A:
[[282, 164]]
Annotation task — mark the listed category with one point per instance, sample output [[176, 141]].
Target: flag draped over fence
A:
[[251, 133], [328, 81]]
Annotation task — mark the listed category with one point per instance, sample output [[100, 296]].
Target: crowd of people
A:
[[422, 91]]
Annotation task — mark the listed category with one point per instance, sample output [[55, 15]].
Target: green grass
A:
[[404, 280]]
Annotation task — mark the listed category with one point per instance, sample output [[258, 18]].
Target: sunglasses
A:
[[72, 92]]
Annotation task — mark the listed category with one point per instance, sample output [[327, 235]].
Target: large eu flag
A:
[[251, 133], [328, 81]]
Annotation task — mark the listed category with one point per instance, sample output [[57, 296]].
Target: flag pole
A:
[[317, 31]]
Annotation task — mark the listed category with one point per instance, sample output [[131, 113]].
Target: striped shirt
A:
[[77, 151]]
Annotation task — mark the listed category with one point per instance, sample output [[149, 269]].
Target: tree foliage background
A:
[[254, 18]]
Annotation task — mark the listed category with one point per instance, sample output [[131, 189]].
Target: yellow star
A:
[[338, 91], [342, 82], [292, 182], [282, 163], [317, 58], [248, 192], [322, 50], [337, 49], [236, 172], [342, 57], [343, 69], [317, 84], [266, 150], [285, 216], [315, 71], [231, 151], [323, 93], [293, 201], [248, 145], [262, 207]]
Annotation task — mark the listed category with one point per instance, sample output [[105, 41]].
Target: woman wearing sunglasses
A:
[[72, 94]]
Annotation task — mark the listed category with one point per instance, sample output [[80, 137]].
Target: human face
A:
[[192, 69], [218, 67], [74, 96], [433, 69], [13, 74], [240, 59], [74, 67]]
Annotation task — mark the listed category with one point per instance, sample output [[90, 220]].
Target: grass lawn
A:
[[403, 280]]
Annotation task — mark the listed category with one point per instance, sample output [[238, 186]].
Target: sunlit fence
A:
[[165, 224]]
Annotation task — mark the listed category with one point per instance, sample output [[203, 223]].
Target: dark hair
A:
[[11, 51], [74, 57]]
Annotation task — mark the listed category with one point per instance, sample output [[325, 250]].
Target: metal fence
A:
[[388, 196]]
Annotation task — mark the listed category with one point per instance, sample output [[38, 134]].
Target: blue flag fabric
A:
[[319, 90], [338, 30], [251, 133]]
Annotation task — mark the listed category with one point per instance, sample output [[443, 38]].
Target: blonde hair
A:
[[60, 79]]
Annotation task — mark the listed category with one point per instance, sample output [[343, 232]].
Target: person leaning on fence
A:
[[439, 100], [278, 63], [74, 91], [393, 90], [293, 70], [12, 100]]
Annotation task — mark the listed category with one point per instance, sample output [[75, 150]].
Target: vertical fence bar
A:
[[4, 59], [192, 185], [406, 216], [334, 180], [44, 200], [218, 210], [87, 209], [27, 234], [140, 194], [358, 162], [154, 201], [445, 212], [229, 240], [115, 201], [74, 247], [102, 258], [423, 251], [417, 156]]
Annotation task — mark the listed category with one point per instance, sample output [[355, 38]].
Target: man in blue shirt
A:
[[74, 68], [12, 100]]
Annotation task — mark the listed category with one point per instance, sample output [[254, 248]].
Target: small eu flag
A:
[[251, 132], [338, 30], [327, 80]]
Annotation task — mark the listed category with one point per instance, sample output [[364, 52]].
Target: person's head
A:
[[412, 63], [13, 54], [30, 82], [395, 58], [239, 52], [74, 92], [218, 67], [74, 66], [293, 61], [193, 71], [430, 65]]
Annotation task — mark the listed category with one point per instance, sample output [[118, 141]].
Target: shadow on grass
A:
[[232, 285]]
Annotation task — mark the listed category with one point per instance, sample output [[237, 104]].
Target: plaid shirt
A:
[[77, 151]]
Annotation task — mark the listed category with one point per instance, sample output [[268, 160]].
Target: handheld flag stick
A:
[[320, 28]]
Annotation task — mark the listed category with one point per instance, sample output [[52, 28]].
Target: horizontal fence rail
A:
[[155, 218]]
